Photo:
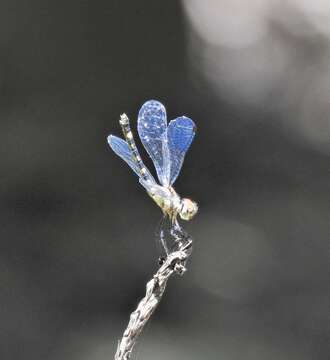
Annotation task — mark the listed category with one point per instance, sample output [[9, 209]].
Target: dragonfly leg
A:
[[177, 232], [182, 240], [161, 238], [170, 237], [180, 236]]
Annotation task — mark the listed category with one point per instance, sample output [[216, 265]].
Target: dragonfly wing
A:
[[121, 148], [149, 185], [180, 134], [154, 189], [152, 125]]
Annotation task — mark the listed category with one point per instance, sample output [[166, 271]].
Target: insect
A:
[[167, 146]]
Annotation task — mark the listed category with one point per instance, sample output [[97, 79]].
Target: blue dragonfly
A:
[[167, 146]]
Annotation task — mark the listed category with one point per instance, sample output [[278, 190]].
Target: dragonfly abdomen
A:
[[124, 123]]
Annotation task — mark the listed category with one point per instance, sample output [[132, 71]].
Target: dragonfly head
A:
[[188, 209]]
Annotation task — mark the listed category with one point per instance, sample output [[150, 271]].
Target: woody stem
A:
[[174, 263]]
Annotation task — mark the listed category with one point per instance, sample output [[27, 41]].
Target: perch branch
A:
[[174, 263]]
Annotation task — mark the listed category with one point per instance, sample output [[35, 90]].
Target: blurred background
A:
[[77, 230]]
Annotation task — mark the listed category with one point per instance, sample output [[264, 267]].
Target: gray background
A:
[[77, 231]]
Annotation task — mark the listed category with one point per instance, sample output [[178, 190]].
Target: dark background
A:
[[77, 230]]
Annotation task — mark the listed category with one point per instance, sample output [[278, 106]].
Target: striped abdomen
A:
[[124, 123]]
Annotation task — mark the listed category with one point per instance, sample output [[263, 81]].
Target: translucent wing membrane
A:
[[121, 148], [180, 134], [152, 127], [166, 145]]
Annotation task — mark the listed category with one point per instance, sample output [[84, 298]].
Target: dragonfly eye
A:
[[188, 210]]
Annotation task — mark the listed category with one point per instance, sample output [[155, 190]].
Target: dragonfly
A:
[[167, 145]]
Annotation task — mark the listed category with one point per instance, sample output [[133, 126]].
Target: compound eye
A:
[[189, 209]]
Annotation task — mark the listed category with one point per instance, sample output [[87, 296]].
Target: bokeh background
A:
[[77, 230]]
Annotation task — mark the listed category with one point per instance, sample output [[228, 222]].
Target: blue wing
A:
[[121, 148], [180, 134], [152, 127]]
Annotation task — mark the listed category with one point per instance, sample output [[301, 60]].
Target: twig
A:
[[174, 263]]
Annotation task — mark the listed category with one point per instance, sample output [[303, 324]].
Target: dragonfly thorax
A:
[[172, 205]]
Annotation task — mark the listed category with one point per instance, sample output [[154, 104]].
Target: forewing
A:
[[180, 134], [152, 127], [121, 148]]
